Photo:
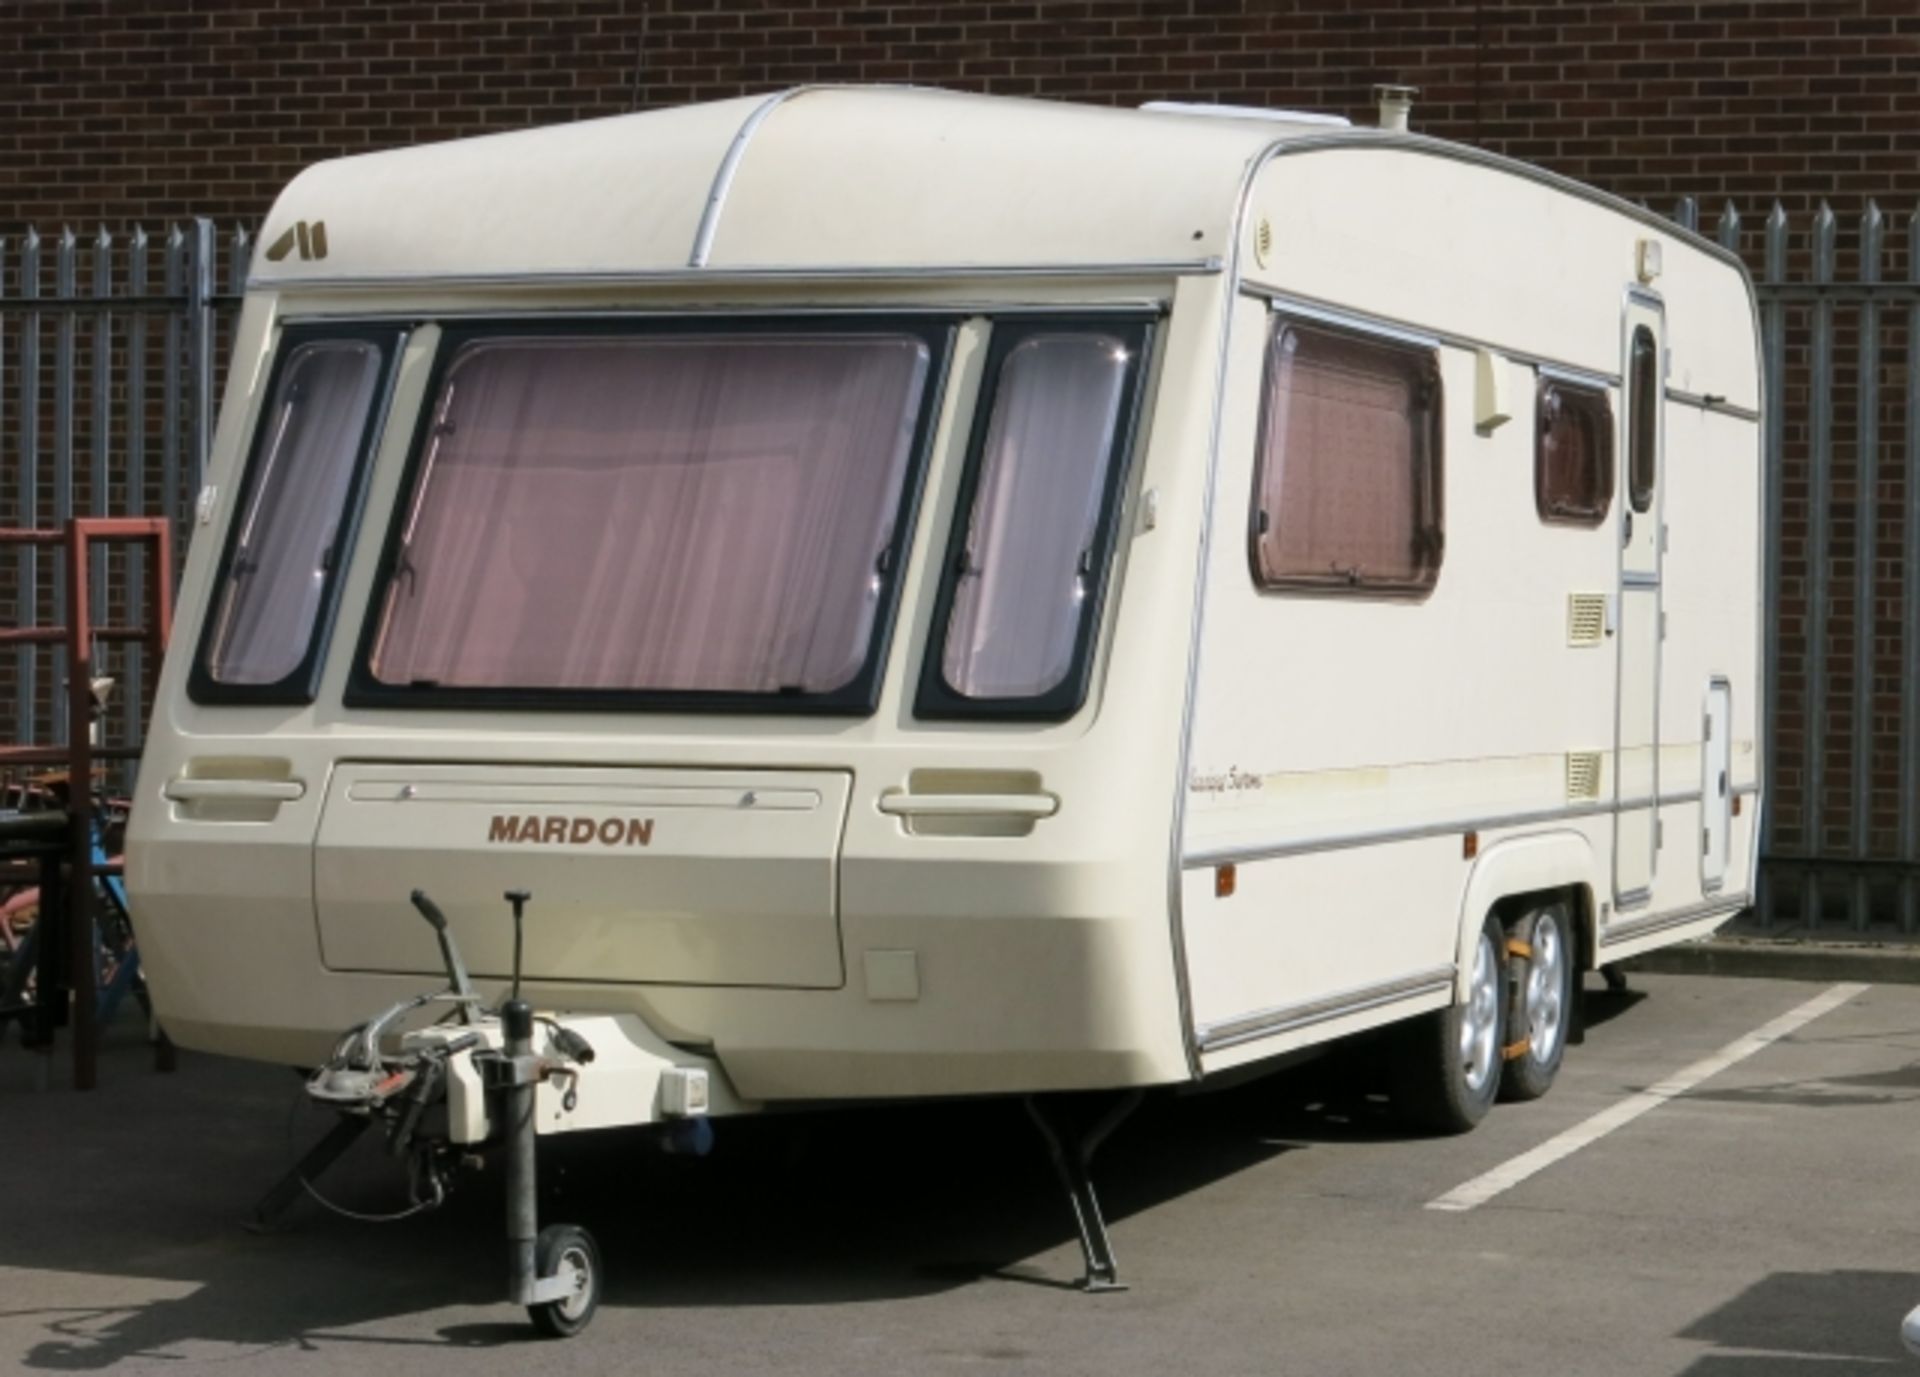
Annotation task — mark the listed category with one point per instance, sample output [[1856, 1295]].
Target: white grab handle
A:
[[970, 805], [253, 790]]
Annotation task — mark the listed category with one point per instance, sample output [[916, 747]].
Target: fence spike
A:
[[1728, 230], [1776, 264], [1687, 213], [1871, 225], [240, 258]]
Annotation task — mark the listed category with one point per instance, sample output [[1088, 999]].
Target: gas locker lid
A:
[[661, 876]]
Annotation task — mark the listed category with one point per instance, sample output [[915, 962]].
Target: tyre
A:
[[1446, 1070], [569, 1251], [1543, 973]]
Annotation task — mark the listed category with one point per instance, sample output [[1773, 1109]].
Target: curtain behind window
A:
[[284, 548], [1022, 593], [682, 512], [1349, 476]]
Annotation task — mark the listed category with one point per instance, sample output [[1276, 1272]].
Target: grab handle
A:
[[970, 805], [251, 790]]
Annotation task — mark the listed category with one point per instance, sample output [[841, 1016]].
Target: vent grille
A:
[[1583, 775], [1586, 618]]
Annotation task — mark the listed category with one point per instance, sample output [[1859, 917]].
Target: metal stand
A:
[[344, 1134], [1072, 1156]]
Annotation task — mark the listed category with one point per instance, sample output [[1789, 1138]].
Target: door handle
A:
[[188, 790]]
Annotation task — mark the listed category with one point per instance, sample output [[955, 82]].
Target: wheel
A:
[[567, 1250], [1543, 1002], [1447, 1067]]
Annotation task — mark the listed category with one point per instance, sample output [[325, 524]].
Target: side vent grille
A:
[[1583, 775], [1586, 618]]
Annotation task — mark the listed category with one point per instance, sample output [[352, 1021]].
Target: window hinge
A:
[[1659, 835], [1706, 842], [1664, 531], [1663, 624]]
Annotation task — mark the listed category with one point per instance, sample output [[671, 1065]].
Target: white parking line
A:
[[1512, 1172]]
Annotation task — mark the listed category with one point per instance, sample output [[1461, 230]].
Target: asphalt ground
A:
[[1764, 1221]]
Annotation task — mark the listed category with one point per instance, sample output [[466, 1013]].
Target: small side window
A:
[[1347, 484], [1572, 453], [1027, 560], [1644, 404], [267, 624]]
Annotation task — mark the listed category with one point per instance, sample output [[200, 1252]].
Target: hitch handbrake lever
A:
[[449, 954]]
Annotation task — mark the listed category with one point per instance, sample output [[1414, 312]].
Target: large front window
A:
[[703, 515]]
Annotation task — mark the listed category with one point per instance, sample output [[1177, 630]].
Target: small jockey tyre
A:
[[1542, 1003], [1446, 1065], [567, 1250]]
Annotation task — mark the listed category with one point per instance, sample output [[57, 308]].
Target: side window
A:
[[1347, 483], [1033, 532], [1643, 444], [267, 625], [1572, 452]]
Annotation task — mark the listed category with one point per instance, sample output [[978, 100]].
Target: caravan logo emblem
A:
[[553, 830], [310, 239]]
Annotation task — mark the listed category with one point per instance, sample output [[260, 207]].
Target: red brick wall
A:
[[123, 111]]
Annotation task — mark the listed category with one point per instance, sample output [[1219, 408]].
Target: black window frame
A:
[[301, 685], [859, 697], [1329, 585], [1596, 393], [938, 701]]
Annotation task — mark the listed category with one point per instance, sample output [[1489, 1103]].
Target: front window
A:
[[279, 576], [690, 515], [1031, 543]]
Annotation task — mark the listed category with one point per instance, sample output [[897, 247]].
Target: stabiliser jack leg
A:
[[554, 1272], [1072, 1154]]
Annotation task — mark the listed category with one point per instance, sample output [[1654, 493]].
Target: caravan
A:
[[940, 595]]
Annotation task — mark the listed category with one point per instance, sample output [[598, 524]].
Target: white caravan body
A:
[[632, 512]]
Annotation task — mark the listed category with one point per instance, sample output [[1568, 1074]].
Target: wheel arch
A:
[[1512, 872]]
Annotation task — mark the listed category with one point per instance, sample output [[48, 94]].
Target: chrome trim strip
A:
[[1300, 308], [1581, 377], [1346, 841], [1728, 905], [1638, 578], [1266, 1023], [1712, 403], [729, 165], [1317, 308], [744, 276], [1128, 306]]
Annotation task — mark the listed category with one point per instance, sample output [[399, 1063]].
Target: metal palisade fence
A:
[[1840, 359], [111, 349]]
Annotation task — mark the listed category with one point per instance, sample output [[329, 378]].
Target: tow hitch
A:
[[481, 1078]]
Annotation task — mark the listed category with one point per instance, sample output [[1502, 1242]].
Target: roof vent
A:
[[1244, 112], [1396, 104]]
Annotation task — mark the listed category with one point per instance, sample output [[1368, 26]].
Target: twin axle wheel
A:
[[1507, 1039]]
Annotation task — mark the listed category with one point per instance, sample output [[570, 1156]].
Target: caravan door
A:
[[1636, 756]]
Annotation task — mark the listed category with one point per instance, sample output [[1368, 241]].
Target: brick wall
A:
[[120, 112]]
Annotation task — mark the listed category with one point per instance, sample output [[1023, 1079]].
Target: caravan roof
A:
[[806, 179]]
